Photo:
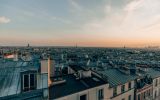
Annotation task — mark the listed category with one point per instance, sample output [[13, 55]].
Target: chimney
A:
[[15, 57], [47, 66], [84, 74], [124, 70], [51, 66], [51, 70]]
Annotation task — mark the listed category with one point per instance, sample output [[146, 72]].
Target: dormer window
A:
[[114, 91], [100, 94], [83, 97], [32, 81], [129, 85], [25, 83], [156, 82], [122, 88], [28, 81]]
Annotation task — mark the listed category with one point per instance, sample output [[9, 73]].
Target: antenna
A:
[[76, 45]]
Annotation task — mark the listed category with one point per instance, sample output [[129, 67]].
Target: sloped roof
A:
[[10, 79], [115, 77]]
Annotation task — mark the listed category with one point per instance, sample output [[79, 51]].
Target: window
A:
[[155, 95], [26, 82], [129, 97], [129, 85], [100, 94], [156, 83], [29, 82], [144, 95], [139, 97], [32, 81], [83, 97], [114, 91], [122, 88], [149, 92]]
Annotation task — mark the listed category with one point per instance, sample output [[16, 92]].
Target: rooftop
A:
[[73, 86], [115, 77], [153, 72], [10, 79]]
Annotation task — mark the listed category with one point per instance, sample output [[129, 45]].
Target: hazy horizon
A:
[[92, 23]]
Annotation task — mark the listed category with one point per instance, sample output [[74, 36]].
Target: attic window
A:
[[29, 82], [25, 82], [100, 94], [122, 88], [129, 85], [32, 81], [83, 97]]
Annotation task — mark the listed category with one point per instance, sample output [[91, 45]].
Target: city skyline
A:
[[104, 23]]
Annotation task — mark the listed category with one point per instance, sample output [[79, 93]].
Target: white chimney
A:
[[84, 74], [47, 66], [44, 66], [15, 57], [51, 65]]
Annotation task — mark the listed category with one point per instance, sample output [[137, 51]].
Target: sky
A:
[[95, 23]]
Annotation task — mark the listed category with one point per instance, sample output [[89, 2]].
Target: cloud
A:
[[75, 5], [4, 20], [64, 21], [111, 22], [131, 8], [145, 14], [133, 16], [107, 9], [133, 5]]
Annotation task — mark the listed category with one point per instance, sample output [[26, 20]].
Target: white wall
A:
[[125, 95], [42, 81], [120, 95], [156, 88], [44, 66], [48, 66]]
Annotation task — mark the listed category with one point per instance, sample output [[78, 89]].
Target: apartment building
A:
[[155, 74], [80, 85], [143, 88], [121, 85]]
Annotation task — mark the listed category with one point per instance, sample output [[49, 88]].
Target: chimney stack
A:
[[15, 57], [47, 66], [51, 70]]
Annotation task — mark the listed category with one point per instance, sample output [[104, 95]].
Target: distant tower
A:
[[76, 46], [28, 45]]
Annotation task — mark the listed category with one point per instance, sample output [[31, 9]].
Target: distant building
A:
[[42, 73]]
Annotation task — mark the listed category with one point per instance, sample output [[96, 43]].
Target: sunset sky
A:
[[100, 23]]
